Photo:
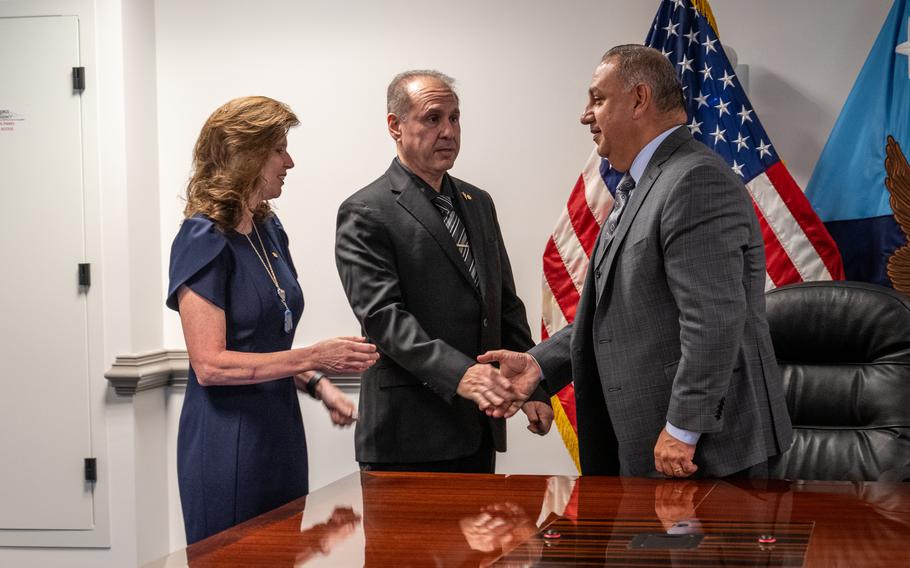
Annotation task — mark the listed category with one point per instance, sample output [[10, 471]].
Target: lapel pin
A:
[[466, 196], [275, 254]]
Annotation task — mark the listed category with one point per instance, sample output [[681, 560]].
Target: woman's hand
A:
[[341, 410], [344, 355]]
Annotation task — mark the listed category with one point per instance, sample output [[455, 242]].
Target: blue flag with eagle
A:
[[849, 188]]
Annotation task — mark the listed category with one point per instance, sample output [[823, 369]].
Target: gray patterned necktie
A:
[[457, 230], [620, 199], [623, 191]]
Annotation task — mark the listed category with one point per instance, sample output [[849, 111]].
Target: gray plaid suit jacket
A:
[[679, 333]]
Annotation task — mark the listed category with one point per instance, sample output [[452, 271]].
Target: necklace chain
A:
[[267, 264]]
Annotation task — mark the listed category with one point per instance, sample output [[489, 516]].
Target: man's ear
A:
[[643, 99], [394, 126]]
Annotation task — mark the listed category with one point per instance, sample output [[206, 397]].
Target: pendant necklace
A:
[[267, 264]]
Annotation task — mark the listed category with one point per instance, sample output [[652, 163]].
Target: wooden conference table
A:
[[400, 519]]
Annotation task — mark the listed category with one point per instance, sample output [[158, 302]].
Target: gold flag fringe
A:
[[705, 10], [569, 437]]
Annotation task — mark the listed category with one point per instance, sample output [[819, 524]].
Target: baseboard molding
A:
[[136, 372]]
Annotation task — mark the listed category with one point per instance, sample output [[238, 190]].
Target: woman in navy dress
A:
[[241, 449]]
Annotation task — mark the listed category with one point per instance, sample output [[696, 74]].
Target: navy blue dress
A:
[[241, 450]]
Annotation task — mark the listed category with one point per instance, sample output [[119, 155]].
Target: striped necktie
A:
[[457, 230]]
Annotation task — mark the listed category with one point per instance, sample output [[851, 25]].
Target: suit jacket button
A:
[[597, 274], [485, 322]]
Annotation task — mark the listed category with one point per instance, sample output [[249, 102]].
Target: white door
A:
[[45, 422]]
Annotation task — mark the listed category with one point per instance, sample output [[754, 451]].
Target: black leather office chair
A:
[[844, 351]]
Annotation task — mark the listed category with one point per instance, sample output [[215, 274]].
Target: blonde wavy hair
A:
[[230, 153]]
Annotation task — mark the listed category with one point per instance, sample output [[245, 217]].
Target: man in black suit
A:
[[425, 269]]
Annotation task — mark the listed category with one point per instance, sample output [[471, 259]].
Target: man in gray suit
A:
[[424, 266], [670, 351]]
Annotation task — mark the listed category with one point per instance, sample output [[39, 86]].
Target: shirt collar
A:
[[444, 189], [644, 156]]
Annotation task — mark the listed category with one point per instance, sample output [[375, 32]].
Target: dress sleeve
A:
[[199, 260]]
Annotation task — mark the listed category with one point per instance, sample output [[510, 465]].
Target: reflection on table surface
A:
[[403, 519]]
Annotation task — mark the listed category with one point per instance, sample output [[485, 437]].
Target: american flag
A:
[[797, 246]]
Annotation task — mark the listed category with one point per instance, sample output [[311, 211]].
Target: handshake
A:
[[500, 392]]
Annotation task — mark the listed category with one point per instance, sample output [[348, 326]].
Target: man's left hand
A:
[[672, 457], [540, 416]]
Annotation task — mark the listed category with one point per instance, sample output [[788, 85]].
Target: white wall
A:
[[122, 243], [803, 58], [522, 69]]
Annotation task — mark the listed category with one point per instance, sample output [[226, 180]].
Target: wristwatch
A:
[[311, 384]]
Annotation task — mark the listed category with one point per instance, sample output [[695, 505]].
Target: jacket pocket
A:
[[390, 379], [633, 246]]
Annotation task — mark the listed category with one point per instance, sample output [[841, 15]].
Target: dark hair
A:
[[638, 64]]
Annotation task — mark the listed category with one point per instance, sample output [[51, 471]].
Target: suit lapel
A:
[[648, 178], [585, 309], [473, 222], [638, 196], [412, 199], [601, 248]]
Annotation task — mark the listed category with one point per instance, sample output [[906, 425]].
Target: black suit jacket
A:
[[416, 300]]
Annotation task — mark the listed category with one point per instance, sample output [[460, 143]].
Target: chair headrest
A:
[[839, 322]]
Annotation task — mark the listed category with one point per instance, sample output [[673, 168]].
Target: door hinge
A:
[[91, 469], [85, 274], [78, 79]]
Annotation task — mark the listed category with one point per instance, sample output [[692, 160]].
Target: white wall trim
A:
[[136, 372]]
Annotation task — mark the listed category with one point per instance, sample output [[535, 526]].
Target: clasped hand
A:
[[501, 392], [497, 528]]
